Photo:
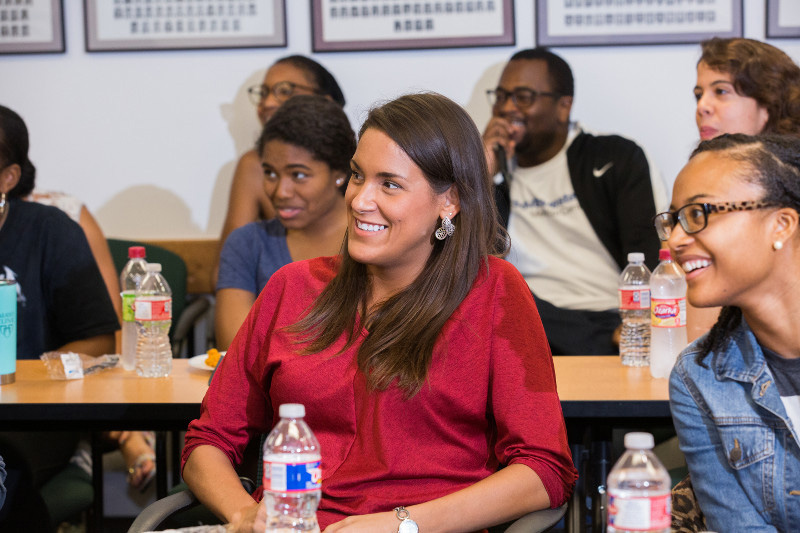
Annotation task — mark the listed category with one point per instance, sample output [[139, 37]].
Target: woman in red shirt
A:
[[418, 353]]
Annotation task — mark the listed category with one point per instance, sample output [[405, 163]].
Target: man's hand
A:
[[498, 132]]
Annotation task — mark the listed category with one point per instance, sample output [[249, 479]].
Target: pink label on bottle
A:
[[153, 308], [640, 513], [634, 299], [668, 312]]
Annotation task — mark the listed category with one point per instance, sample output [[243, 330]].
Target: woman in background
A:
[[735, 393], [746, 86], [743, 86], [412, 351], [287, 77], [62, 304], [305, 152]]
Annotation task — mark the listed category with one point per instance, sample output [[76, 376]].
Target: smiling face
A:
[[720, 109], [277, 73], [539, 128], [303, 191], [730, 261], [392, 210]]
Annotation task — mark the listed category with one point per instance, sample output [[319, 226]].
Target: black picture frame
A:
[[598, 22], [114, 26], [34, 27], [336, 27], [777, 26]]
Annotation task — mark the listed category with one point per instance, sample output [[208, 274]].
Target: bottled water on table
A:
[[130, 279], [668, 302], [634, 309], [153, 312], [639, 489], [292, 474]]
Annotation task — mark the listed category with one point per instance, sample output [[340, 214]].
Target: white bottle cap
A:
[[153, 267], [292, 410], [639, 441], [636, 257]]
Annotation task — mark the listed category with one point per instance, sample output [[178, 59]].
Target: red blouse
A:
[[490, 398]]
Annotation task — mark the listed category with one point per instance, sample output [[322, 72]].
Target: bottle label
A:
[[634, 299], [153, 309], [668, 312], [644, 513], [127, 306], [292, 477]]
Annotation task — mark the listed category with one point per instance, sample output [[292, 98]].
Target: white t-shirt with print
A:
[[553, 244]]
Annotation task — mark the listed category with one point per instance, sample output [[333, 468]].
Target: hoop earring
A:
[[777, 245], [446, 229], [3, 204]]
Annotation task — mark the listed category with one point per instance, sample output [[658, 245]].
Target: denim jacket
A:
[[741, 447]]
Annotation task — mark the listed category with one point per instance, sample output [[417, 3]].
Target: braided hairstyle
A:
[[773, 163], [14, 150]]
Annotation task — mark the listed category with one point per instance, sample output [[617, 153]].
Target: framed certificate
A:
[[405, 24], [31, 26], [113, 25], [783, 18], [615, 22]]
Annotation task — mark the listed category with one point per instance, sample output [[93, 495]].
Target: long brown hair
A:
[[762, 72], [444, 143]]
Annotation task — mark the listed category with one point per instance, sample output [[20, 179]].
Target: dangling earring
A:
[[777, 245], [446, 229], [3, 205]]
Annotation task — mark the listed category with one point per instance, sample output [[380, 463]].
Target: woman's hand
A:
[[368, 523], [250, 519]]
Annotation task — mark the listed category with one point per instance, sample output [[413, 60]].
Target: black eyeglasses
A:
[[693, 218], [521, 96], [283, 90]]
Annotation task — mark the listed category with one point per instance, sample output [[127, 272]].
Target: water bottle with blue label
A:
[[292, 473]]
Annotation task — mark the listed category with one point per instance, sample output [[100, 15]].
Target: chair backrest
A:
[[172, 267]]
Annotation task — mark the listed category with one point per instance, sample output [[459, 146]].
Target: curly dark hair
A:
[[316, 124], [773, 163], [14, 145], [762, 72], [328, 86]]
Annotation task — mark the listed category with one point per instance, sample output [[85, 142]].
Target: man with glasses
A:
[[575, 204]]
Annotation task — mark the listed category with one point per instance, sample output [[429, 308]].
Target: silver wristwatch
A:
[[406, 524]]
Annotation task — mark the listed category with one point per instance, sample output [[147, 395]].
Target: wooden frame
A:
[[114, 25], [35, 26], [363, 25], [602, 22], [783, 18]]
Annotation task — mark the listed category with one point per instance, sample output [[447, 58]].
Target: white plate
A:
[[199, 361]]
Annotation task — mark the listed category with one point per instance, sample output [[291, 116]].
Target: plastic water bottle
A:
[[130, 279], [292, 474], [639, 489], [634, 309], [668, 304], [153, 312]]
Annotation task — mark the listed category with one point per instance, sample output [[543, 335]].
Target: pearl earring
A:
[[339, 182], [777, 245]]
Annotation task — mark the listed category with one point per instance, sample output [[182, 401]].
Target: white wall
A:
[[149, 139]]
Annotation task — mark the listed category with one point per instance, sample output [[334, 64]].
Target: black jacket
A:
[[618, 203]]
